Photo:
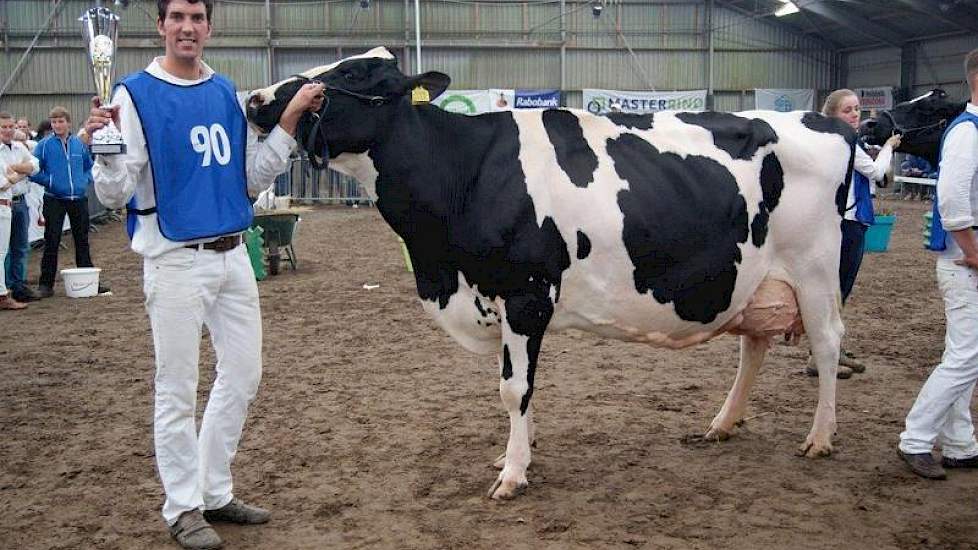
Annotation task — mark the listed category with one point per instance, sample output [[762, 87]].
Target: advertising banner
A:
[[880, 98], [601, 102], [784, 100], [537, 99]]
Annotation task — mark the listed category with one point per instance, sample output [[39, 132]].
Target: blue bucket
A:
[[878, 234]]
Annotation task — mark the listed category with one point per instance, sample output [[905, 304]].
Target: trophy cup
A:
[[100, 29]]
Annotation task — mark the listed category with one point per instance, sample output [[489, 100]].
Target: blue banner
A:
[[537, 99]]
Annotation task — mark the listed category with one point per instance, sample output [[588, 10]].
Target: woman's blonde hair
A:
[[831, 105]]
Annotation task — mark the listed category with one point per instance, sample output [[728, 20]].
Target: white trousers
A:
[[5, 216], [185, 289], [942, 412]]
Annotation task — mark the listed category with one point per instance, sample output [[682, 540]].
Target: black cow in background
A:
[[920, 121]]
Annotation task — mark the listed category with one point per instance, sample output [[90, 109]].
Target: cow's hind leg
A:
[[752, 352], [823, 324], [525, 321]]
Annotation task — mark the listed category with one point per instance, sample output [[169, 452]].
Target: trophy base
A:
[[108, 148]]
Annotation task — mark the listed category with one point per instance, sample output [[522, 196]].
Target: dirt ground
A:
[[372, 429]]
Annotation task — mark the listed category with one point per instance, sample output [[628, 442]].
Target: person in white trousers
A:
[[941, 413], [191, 161]]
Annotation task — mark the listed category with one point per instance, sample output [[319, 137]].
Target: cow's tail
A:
[[842, 193]]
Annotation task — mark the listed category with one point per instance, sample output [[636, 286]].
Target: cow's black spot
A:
[[740, 137], [632, 120], [758, 227], [772, 184], [828, 125], [583, 245], [574, 155], [683, 221], [507, 363], [478, 305]]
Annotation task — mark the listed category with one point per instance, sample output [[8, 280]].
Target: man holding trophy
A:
[[184, 166]]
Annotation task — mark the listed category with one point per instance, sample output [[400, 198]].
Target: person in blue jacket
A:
[[916, 167], [65, 173]]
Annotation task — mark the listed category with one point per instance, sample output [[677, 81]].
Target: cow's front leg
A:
[[524, 324], [531, 433]]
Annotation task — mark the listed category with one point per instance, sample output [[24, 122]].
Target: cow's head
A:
[[920, 121], [363, 92]]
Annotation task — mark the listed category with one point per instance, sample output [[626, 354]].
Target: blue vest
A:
[[196, 137], [938, 237], [864, 199]]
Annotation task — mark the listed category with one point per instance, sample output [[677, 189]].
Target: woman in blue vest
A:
[[844, 105]]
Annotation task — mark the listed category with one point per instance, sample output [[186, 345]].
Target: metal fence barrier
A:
[[307, 185]]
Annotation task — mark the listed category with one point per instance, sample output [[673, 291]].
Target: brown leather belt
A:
[[222, 244], [5, 202]]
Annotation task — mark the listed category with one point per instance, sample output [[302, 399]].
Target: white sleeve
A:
[[959, 163], [267, 159], [873, 169], [116, 176]]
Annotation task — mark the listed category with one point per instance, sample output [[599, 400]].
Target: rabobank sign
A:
[[537, 99]]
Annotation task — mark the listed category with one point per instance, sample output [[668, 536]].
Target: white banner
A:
[[880, 98], [474, 102], [784, 100], [601, 102]]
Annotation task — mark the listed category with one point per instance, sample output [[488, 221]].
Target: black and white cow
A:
[[921, 123], [667, 229]]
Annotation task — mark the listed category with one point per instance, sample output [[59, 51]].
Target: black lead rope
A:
[[905, 131], [317, 118]]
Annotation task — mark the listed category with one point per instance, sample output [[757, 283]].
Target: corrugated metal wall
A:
[[495, 44]]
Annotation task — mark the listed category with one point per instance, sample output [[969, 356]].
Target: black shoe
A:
[[103, 289], [45, 291], [923, 464], [26, 294], [238, 512], [970, 462]]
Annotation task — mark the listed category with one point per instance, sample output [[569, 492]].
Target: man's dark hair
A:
[[162, 5]]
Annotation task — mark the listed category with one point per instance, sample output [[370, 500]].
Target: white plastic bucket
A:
[[283, 202], [81, 282]]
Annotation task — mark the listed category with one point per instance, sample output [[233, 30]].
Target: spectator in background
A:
[[15, 163], [43, 129], [65, 173], [21, 137], [916, 167], [24, 125]]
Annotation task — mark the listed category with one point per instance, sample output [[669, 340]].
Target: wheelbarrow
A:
[[278, 229]]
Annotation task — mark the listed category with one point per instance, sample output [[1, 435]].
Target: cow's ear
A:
[[433, 81]]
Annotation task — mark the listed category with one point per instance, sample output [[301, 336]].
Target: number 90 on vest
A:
[[212, 143]]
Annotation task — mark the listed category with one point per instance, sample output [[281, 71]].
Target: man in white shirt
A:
[[190, 163], [16, 163], [942, 411]]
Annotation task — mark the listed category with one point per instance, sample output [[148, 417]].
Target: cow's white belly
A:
[[476, 327]]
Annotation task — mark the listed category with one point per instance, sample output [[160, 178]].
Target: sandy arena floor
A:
[[373, 430]]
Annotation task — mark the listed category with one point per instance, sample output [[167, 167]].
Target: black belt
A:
[[222, 244], [17, 198]]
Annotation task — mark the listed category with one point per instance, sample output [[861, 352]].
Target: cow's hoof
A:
[[507, 489], [711, 437], [499, 462], [815, 448], [716, 433]]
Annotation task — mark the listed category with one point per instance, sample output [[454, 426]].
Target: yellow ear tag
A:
[[420, 95]]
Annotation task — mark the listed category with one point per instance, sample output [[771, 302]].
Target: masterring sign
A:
[[600, 102]]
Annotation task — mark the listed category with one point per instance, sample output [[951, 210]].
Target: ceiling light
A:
[[787, 9]]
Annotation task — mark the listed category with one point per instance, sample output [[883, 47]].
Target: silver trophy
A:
[[100, 29]]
